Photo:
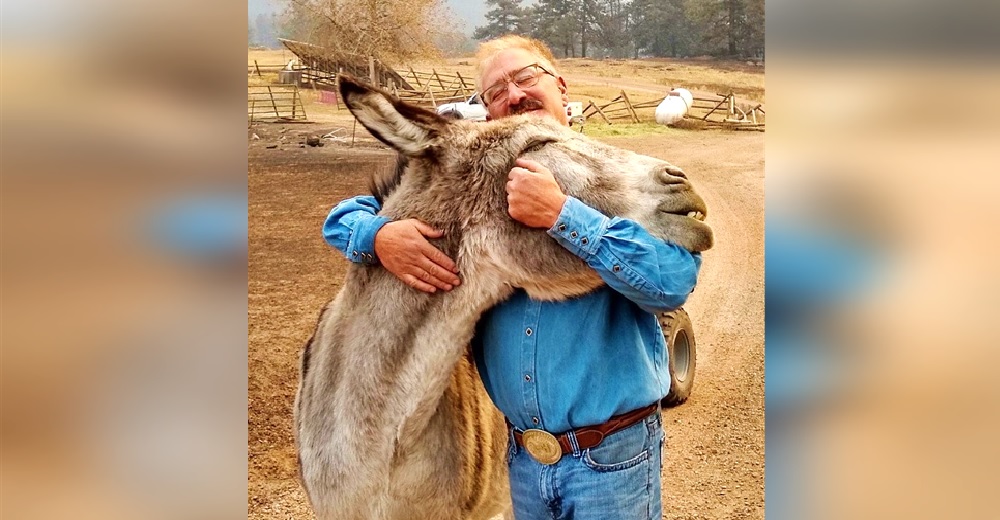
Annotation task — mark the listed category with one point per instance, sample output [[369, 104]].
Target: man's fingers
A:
[[436, 256], [426, 230], [419, 285], [528, 164], [439, 277]]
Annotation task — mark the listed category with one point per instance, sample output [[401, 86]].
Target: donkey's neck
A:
[[397, 362]]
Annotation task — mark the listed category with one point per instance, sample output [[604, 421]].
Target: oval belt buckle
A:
[[543, 446]]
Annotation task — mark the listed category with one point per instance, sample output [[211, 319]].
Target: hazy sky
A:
[[471, 12]]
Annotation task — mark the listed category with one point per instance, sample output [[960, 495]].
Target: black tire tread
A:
[[671, 321]]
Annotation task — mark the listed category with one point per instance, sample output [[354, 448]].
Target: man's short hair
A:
[[488, 52]]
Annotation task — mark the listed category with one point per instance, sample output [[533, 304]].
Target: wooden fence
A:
[[720, 111], [619, 108], [260, 70], [275, 103], [430, 89], [723, 112]]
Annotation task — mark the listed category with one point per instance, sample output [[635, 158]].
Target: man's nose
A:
[[514, 94]]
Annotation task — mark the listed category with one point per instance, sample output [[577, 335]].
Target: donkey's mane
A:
[[383, 183]]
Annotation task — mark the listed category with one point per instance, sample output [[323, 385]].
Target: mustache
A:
[[526, 105]]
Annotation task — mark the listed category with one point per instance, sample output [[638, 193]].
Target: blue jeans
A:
[[618, 479]]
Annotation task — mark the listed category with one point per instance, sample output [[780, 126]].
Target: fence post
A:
[[302, 105], [414, 74], [599, 111], [628, 104], [460, 78], [273, 104], [716, 107]]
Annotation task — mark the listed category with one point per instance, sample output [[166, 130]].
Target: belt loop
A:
[[510, 437], [653, 419], [573, 443]]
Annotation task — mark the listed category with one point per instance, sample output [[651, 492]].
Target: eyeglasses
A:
[[523, 78]]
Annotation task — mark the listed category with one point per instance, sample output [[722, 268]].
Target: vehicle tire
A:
[[452, 114], [681, 355]]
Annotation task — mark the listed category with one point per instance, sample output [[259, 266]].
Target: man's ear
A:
[[563, 90]]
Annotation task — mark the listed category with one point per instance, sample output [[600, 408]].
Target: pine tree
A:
[[553, 23], [724, 25], [506, 17]]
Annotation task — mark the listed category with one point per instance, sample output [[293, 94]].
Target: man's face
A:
[[548, 97]]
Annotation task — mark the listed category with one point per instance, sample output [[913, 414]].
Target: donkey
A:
[[392, 421]]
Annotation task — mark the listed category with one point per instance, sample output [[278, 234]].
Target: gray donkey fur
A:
[[392, 421]]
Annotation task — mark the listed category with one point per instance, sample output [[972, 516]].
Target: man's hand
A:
[[404, 251], [533, 197]]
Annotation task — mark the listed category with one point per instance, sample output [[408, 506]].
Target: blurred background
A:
[[124, 259], [881, 257]]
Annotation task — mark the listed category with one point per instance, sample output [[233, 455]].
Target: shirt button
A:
[[562, 227], [528, 331], [616, 268], [527, 377], [573, 234], [534, 420], [584, 240]]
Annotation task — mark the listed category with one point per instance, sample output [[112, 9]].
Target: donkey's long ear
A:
[[406, 128]]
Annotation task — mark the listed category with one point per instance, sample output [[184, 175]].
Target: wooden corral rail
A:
[[432, 98], [260, 70], [619, 108], [275, 103], [443, 80], [434, 88], [721, 111]]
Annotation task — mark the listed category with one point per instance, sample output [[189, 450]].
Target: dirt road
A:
[[714, 465]]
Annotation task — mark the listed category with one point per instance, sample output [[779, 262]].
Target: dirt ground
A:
[[714, 464]]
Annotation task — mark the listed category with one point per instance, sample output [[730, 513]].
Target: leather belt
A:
[[547, 448]]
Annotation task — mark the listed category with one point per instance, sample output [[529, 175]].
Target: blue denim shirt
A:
[[568, 364]]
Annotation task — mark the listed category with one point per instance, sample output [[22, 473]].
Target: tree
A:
[[754, 34], [586, 13], [737, 26], [614, 28], [394, 31], [553, 23], [661, 27], [505, 17]]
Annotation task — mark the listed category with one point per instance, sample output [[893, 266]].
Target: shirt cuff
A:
[[579, 227], [361, 247]]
